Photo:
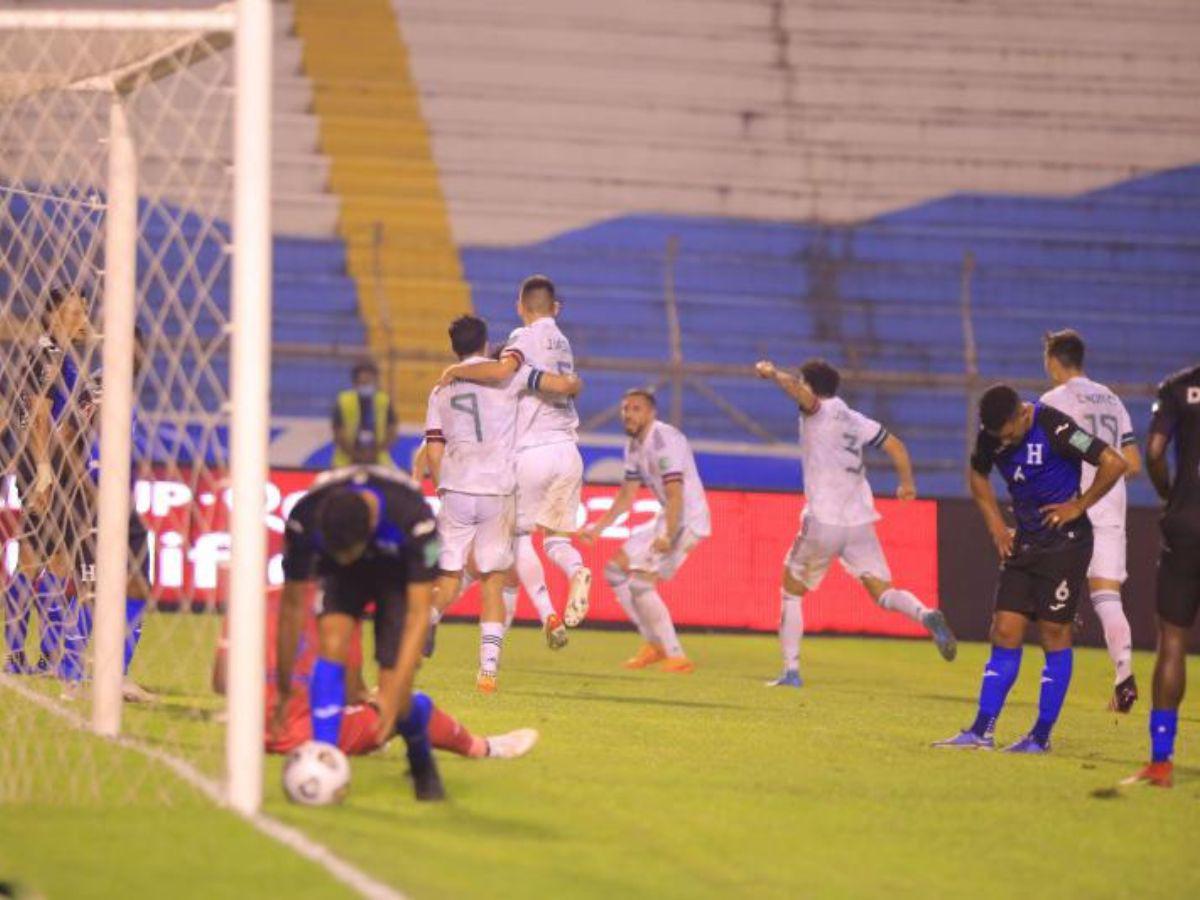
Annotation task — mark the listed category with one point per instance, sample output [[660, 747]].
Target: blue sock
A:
[[326, 697], [414, 728], [78, 630], [135, 611], [16, 623], [1056, 678], [1163, 723], [999, 675], [49, 602]]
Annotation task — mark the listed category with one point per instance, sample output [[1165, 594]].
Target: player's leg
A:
[[804, 568], [340, 607], [456, 530], [1060, 585], [863, 557], [1178, 601], [531, 488], [558, 517], [648, 569], [510, 593], [1106, 574], [1014, 610], [18, 604], [493, 552], [137, 590], [78, 616], [616, 573]]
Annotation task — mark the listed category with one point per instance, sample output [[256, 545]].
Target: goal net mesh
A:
[[57, 89]]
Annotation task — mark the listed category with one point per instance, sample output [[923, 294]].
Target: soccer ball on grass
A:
[[316, 774]]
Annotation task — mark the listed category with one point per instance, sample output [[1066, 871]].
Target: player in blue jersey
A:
[[55, 402], [1039, 452], [367, 534]]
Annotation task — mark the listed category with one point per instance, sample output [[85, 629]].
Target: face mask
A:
[[366, 390]]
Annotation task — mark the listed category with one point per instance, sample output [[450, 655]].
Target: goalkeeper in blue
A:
[[1039, 452], [368, 536]]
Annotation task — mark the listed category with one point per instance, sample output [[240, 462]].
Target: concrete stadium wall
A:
[[550, 114]]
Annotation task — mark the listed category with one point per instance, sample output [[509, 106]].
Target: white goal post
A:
[[247, 25]]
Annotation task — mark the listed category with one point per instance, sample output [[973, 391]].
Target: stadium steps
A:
[[394, 221]]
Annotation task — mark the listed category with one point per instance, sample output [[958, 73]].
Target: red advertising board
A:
[[731, 580]]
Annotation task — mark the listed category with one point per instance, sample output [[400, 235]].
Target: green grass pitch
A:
[[709, 785]]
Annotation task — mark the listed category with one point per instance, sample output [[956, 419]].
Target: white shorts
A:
[[483, 523], [1108, 553], [639, 548], [814, 548], [549, 487]]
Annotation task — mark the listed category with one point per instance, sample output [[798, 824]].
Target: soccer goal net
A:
[[129, 338]]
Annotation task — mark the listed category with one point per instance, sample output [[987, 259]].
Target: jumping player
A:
[[839, 515], [1040, 453], [1176, 420], [368, 535], [1102, 414], [549, 467], [658, 456]]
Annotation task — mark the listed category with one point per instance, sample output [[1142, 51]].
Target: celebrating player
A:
[[658, 456], [1176, 419], [368, 535], [1039, 452], [1102, 414], [359, 731], [549, 467], [470, 434], [839, 515]]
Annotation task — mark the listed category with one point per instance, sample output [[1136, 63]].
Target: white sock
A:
[[904, 603], [510, 605], [563, 554], [491, 638], [657, 617], [618, 580], [533, 577], [435, 615], [1117, 634], [791, 629]]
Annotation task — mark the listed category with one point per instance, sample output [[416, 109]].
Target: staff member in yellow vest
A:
[[364, 424]]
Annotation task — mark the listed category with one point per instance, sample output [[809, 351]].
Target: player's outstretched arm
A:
[[1156, 464], [621, 505], [985, 499], [791, 385], [396, 683], [902, 463], [492, 371]]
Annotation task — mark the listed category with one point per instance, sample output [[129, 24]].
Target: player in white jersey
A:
[[657, 456], [1101, 413], [839, 515], [548, 465], [470, 432]]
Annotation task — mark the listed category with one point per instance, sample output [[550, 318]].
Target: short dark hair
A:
[[821, 377], [538, 294], [343, 520], [645, 393], [997, 406], [1066, 346], [365, 367], [468, 335]]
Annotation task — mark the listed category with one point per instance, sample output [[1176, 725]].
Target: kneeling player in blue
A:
[[367, 534], [1039, 452]]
